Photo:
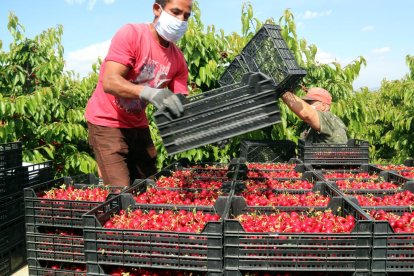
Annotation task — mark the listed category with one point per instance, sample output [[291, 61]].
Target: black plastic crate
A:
[[14, 180], [60, 213], [226, 171], [267, 150], [280, 183], [55, 244], [12, 233], [187, 179], [294, 273], [392, 252], [268, 53], [193, 178], [148, 248], [362, 172], [394, 167], [55, 268], [407, 174], [320, 188], [409, 162], [380, 193], [12, 259], [252, 85], [405, 170], [290, 165], [99, 270], [11, 208], [140, 187], [346, 252], [234, 71], [384, 177], [220, 114], [280, 174], [355, 152], [10, 155]]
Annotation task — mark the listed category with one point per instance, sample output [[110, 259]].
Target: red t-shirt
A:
[[150, 64]]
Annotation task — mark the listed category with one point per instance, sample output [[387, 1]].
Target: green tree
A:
[[43, 106], [40, 104]]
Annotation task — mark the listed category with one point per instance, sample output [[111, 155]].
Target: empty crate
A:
[[220, 114], [268, 53], [267, 150]]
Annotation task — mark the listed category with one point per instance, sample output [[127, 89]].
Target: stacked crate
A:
[[267, 151], [110, 249], [220, 114], [14, 177], [386, 195], [295, 250], [54, 229], [246, 100], [405, 170], [392, 250], [93, 245], [267, 53]]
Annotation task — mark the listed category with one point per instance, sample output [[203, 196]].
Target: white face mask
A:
[[170, 27]]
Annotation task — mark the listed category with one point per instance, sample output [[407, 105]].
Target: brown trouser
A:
[[123, 154]]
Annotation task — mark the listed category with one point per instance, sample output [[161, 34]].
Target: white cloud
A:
[[312, 14], [325, 57], [368, 28], [91, 3], [381, 50], [81, 60], [378, 68]]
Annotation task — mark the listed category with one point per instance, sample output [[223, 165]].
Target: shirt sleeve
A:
[[179, 83], [123, 46]]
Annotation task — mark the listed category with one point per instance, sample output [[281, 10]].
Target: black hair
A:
[[162, 3]]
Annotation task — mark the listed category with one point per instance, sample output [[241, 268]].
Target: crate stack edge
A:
[[15, 175], [54, 228]]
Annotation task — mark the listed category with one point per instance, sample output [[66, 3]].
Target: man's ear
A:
[[156, 8]]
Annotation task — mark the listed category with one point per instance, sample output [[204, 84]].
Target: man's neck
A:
[[164, 43]]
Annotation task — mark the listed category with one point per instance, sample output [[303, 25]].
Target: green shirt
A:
[[333, 130]]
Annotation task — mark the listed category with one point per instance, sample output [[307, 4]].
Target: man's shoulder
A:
[[134, 28]]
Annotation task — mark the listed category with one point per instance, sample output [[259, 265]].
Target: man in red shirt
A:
[[143, 65]]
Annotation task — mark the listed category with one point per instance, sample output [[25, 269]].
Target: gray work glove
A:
[[163, 99]]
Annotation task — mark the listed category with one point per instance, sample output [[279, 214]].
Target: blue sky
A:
[[380, 31]]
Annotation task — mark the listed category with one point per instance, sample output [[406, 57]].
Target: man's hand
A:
[[163, 99]]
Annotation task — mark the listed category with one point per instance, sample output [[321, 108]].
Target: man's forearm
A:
[[302, 109], [119, 86], [294, 103]]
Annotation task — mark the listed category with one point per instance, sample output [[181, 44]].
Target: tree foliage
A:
[[40, 104], [43, 106]]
